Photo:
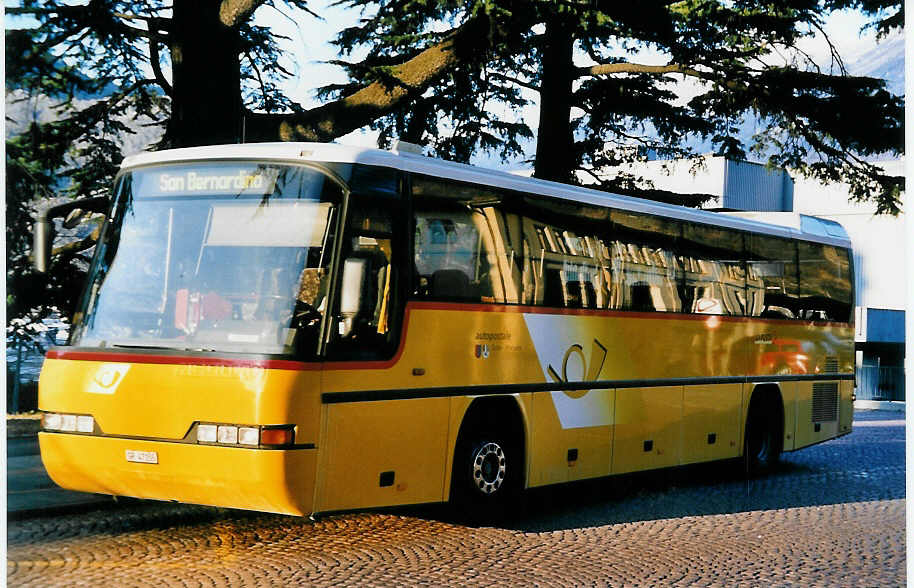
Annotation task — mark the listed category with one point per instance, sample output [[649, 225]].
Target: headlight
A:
[[85, 424], [206, 433], [51, 421], [248, 436], [227, 434], [70, 423]]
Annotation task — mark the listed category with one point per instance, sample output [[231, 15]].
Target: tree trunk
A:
[[555, 158], [206, 103]]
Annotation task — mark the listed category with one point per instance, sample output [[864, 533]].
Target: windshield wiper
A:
[[124, 345], [163, 347]]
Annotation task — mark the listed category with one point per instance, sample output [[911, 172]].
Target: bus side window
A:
[[825, 282], [454, 258], [772, 260], [718, 269], [644, 272]]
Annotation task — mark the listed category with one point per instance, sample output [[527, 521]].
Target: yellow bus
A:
[[304, 328]]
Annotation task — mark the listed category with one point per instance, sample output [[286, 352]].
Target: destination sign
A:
[[192, 181], [222, 179]]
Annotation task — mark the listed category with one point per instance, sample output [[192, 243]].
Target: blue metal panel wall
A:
[[884, 326], [752, 186]]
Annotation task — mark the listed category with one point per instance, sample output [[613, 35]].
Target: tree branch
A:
[[233, 13], [835, 56], [636, 68], [76, 247], [157, 67], [514, 80], [263, 88], [34, 10], [404, 82]]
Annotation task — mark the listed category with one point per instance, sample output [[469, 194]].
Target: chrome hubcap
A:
[[489, 468]]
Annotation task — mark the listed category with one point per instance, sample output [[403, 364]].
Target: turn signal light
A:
[[276, 437]]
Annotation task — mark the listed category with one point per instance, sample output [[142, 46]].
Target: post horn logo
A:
[[108, 377], [591, 371]]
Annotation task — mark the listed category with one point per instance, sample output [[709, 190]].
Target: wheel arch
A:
[[765, 396]]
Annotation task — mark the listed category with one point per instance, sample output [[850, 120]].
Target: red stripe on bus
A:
[[526, 309]]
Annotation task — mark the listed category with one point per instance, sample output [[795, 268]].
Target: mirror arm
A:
[[43, 237]]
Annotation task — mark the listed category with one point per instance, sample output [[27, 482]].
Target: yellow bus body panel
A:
[[710, 422], [159, 403], [366, 439], [163, 401], [271, 481]]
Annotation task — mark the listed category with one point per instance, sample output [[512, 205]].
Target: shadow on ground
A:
[[868, 464]]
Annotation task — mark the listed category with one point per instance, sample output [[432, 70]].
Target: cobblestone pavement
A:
[[832, 515]]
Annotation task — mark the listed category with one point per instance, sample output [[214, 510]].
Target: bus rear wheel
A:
[[763, 437]]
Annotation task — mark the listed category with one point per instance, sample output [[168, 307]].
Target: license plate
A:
[[142, 456]]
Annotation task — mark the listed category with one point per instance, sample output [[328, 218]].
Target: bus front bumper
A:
[[280, 481]]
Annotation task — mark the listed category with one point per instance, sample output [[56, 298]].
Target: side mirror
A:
[[44, 227], [43, 237], [351, 294]]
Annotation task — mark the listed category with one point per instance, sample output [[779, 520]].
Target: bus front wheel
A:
[[487, 475]]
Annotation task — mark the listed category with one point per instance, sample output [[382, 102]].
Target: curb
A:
[[103, 502], [889, 405], [27, 426]]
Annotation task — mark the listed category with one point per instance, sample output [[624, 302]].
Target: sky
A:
[[309, 46]]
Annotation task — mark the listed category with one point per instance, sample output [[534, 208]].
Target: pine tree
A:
[[600, 106]]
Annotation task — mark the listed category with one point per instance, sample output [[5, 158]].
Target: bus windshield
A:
[[213, 257]]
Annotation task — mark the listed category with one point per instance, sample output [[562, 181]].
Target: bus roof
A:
[[410, 162]]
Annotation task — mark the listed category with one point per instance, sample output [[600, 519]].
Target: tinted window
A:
[[715, 278], [564, 263], [825, 282], [646, 272], [772, 277]]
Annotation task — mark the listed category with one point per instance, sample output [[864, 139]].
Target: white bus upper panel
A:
[[331, 152]]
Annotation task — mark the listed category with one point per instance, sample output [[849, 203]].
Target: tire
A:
[[762, 447], [487, 476]]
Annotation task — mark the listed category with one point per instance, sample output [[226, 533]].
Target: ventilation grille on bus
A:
[[824, 402], [831, 364]]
